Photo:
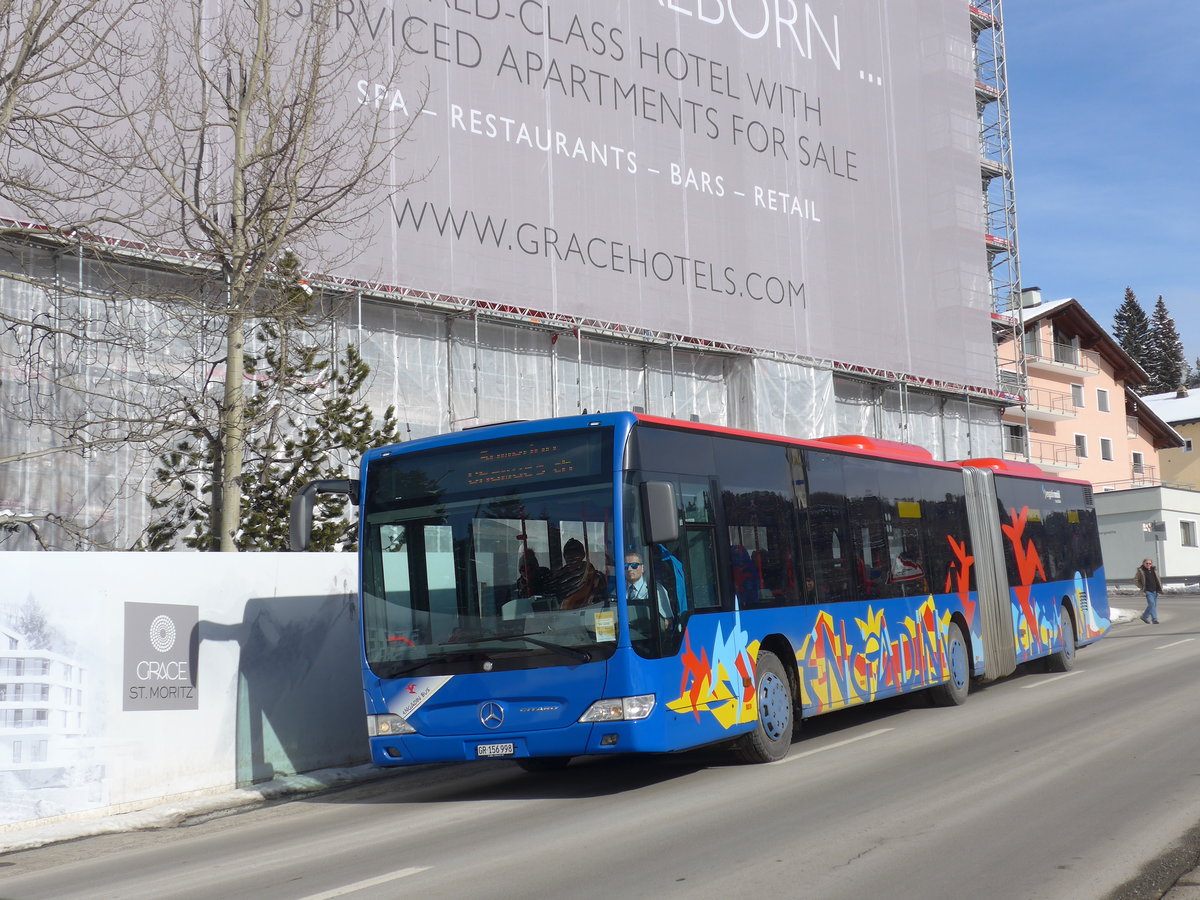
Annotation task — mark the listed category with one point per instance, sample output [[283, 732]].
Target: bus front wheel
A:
[[772, 738]]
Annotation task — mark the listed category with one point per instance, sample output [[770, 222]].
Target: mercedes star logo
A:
[[491, 715]]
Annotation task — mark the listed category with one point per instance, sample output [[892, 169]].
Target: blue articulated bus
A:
[[622, 583]]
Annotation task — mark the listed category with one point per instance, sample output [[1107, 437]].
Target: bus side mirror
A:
[[301, 517], [660, 513]]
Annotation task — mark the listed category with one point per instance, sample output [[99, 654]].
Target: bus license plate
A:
[[495, 750]]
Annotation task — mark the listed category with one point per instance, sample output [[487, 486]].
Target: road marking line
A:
[[792, 757], [363, 885], [1175, 644], [1038, 684]]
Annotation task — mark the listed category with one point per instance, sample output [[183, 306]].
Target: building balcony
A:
[[1049, 455], [1064, 358], [1140, 476], [1058, 359], [1045, 405]]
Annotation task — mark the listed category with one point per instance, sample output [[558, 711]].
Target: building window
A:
[[1106, 450], [1187, 445], [1139, 462], [1081, 446], [1014, 439], [1032, 344], [1066, 348], [1187, 533], [1102, 399], [1077, 396]]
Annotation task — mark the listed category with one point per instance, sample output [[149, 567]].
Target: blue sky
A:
[[1105, 104]]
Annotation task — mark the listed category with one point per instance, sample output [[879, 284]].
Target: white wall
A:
[[274, 658], [1122, 515]]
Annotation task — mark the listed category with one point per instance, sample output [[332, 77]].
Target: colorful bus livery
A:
[[622, 583]]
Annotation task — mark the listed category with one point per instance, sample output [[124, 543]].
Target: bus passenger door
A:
[[681, 573]]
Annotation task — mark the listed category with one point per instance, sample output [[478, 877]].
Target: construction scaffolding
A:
[[999, 196]]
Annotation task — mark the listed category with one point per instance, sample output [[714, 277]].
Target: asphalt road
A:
[[1083, 785]]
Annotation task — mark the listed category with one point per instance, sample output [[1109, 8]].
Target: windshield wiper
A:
[[580, 655], [395, 670]]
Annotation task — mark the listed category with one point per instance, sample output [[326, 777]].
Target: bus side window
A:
[[702, 563], [696, 547], [831, 567], [758, 500]]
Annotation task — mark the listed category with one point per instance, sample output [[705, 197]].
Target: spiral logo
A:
[[162, 633]]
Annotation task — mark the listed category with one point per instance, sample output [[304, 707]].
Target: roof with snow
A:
[[1180, 407]]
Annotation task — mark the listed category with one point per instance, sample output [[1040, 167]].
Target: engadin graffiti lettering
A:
[[724, 686], [834, 675], [840, 664]]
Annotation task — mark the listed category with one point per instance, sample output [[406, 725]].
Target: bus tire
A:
[[953, 692], [543, 763], [772, 737], [1063, 659]]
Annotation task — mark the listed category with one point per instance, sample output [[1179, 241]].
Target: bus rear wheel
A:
[[954, 691], [772, 737], [1063, 660]]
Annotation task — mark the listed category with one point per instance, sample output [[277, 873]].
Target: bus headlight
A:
[[619, 709], [377, 726]]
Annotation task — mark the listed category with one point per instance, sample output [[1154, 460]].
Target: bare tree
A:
[[253, 146], [61, 63], [240, 140]]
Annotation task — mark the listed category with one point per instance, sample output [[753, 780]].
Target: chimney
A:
[[1181, 392], [1030, 297]]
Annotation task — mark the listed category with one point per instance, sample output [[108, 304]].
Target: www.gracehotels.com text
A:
[[596, 252]]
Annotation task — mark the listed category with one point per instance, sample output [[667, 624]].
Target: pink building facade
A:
[[1081, 417]]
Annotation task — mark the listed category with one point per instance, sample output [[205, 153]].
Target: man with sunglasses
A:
[[637, 588]]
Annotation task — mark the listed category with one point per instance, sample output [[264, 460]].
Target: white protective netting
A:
[[441, 370]]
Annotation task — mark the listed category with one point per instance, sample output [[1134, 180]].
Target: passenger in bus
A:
[[638, 589], [812, 593], [745, 575], [532, 578], [577, 583]]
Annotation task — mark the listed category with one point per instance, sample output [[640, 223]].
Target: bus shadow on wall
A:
[[299, 688]]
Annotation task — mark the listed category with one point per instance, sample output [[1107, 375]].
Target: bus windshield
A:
[[490, 556]]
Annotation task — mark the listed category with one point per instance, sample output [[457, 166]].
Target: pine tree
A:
[[1194, 375], [308, 422], [1167, 365], [1131, 328]]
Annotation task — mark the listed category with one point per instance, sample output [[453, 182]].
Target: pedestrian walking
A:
[[1149, 584]]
